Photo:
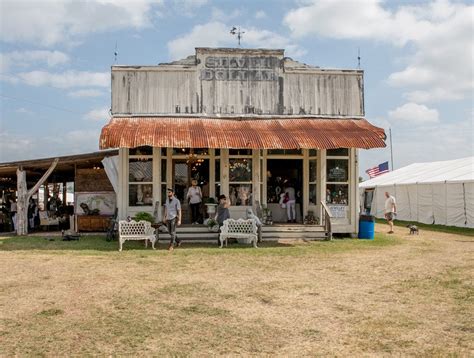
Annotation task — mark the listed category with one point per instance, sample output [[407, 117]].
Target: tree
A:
[[24, 196]]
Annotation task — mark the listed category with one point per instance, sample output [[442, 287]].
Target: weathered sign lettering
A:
[[246, 68], [339, 211]]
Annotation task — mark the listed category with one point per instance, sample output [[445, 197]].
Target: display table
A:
[[279, 214], [93, 222]]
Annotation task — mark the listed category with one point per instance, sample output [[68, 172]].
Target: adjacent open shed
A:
[[431, 193]]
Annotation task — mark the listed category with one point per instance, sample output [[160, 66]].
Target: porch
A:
[[252, 161], [200, 233]]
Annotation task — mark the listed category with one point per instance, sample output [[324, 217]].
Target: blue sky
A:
[[55, 63]]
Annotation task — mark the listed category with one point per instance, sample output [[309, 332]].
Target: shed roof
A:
[[64, 170], [241, 132], [458, 170]]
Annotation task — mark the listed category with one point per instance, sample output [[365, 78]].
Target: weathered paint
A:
[[236, 81]]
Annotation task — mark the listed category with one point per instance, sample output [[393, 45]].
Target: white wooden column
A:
[[169, 167], [305, 198], [264, 179], [256, 177], [225, 172], [321, 179], [353, 188], [212, 173], [157, 175], [122, 196]]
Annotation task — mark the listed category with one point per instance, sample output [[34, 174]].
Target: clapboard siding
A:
[[323, 94], [240, 97], [175, 88], [142, 92]]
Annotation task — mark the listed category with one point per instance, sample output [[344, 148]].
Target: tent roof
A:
[[458, 170]]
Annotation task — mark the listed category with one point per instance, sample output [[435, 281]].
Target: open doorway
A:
[[184, 171], [283, 173]]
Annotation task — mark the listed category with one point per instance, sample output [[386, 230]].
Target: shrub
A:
[[211, 223], [209, 201], [142, 215]]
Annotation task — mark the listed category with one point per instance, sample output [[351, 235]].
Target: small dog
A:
[[413, 229]]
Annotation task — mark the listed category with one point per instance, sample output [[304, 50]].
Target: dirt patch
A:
[[400, 294]]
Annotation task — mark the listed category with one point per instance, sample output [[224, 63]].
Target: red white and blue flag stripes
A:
[[378, 170]]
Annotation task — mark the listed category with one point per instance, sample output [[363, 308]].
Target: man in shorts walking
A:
[[172, 217], [390, 210]]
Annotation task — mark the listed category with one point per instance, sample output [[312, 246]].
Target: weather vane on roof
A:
[[236, 31]]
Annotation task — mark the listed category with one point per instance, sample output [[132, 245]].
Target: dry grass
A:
[[394, 296]]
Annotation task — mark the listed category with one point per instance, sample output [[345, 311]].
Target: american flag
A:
[[379, 169]]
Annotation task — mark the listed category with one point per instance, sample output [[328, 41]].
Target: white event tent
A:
[[431, 193]]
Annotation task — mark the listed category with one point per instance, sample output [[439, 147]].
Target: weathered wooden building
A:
[[245, 123]]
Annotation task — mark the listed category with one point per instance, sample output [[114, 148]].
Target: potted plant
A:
[[211, 206], [143, 215], [212, 225]]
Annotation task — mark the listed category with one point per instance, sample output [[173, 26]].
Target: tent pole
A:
[[391, 146]]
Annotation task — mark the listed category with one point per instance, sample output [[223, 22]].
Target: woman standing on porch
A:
[[291, 203], [194, 197]]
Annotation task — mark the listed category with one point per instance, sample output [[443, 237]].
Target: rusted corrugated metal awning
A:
[[241, 132]]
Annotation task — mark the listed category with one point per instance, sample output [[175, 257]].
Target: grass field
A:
[[396, 295], [439, 228]]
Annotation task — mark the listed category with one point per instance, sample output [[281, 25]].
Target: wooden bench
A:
[[132, 230], [238, 229]]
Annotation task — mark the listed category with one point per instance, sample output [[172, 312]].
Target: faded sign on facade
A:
[[244, 68]]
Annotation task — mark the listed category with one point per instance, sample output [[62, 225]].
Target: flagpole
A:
[[391, 146]]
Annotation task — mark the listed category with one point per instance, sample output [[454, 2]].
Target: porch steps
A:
[[197, 233], [293, 231]]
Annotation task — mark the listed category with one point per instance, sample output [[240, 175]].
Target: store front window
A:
[[337, 181], [313, 181], [140, 177], [240, 181]]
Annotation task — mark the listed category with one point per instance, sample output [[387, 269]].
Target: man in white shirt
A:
[[390, 210]]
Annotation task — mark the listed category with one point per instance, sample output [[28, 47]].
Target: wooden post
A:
[[64, 194], [24, 196]]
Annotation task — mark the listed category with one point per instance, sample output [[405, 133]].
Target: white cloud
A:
[[428, 142], [224, 16], [100, 114], [29, 58], [23, 110], [190, 4], [13, 147], [67, 79], [215, 34], [414, 114], [85, 93], [439, 33], [268, 39], [211, 34], [260, 14], [23, 147], [438, 141], [51, 22]]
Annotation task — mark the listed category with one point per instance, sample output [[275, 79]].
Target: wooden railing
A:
[[326, 220]]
